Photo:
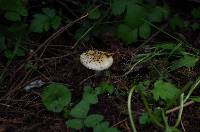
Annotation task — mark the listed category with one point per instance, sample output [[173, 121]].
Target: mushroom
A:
[[96, 60]]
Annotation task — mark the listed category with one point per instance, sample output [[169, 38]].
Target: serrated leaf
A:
[[101, 127], [118, 6], [164, 90], [75, 123], [95, 14], [144, 31], [125, 33], [93, 120], [135, 15], [55, 22], [12, 16], [55, 97], [186, 61], [39, 23], [89, 95], [80, 110]]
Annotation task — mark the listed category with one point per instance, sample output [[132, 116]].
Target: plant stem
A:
[[192, 89], [150, 111], [164, 119], [130, 111], [180, 111]]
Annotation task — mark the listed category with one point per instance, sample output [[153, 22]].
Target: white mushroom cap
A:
[[96, 60]]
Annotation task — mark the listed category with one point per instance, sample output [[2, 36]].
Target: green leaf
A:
[[94, 14], [104, 87], [135, 15], [118, 6], [164, 90], [55, 97], [12, 5], [112, 129], [49, 12], [169, 46], [39, 23], [12, 16], [196, 13], [75, 123], [125, 33], [80, 110], [144, 31], [196, 99], [101, 127], [195, 26], [20, 52], [176, 22], [89, 95], [55, 22], [144, 119], [157, 14], [9, 54], [186, 61], [93, 120]]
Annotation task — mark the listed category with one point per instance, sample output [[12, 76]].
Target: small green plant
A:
[[43, 21], [161, 91], [56, 98]]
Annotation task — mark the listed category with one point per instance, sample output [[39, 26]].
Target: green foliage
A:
[[176, 22], [144, 31], [55, 97], [118, 6], [80, 110], [144, 118], [94, 14], [164, 90], [127, 34], [90, 95], [43, 21], [196, 13], [188, 61], [104, 87], [75, 123], [93, 120], [14, 9], [196, 99]]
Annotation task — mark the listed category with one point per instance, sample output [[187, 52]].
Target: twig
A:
[[180, 111], [178, 107]]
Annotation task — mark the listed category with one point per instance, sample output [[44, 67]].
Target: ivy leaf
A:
[[125, 33], [186, 61], [118, 6], [164, 90], [89, 95], [39, 23], [144, 31], [55, 97], [135, 15], [75, 123], [80, 110], [12, 16], [93, 120]]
